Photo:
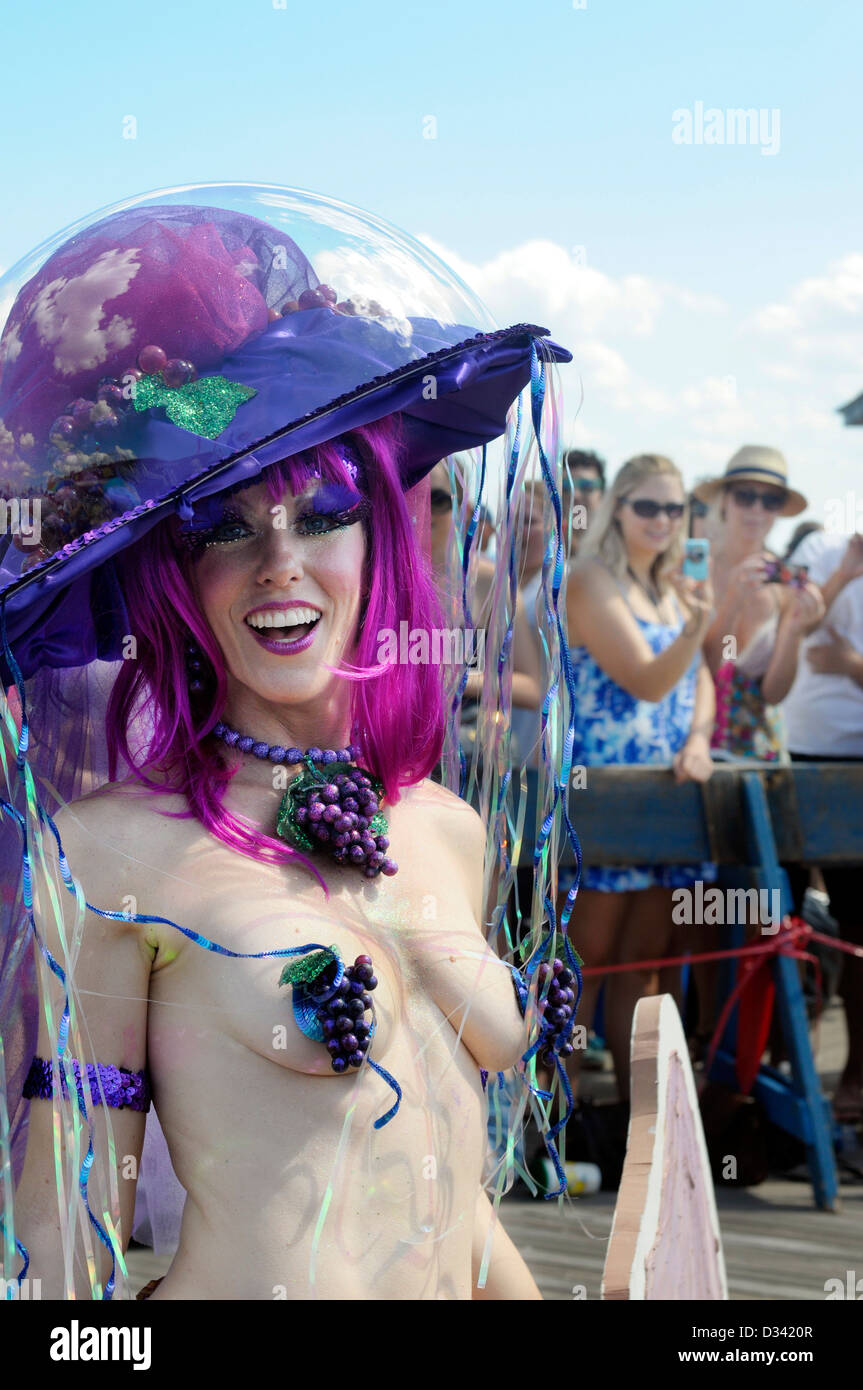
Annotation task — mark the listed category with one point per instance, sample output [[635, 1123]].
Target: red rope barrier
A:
[[791, 940], [791, 926]]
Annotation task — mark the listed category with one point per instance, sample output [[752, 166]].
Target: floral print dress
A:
[[614, 727], [746, 726]]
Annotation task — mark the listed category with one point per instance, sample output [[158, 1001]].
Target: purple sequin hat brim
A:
[[69, 609]]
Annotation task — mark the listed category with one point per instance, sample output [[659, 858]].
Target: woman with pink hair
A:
[[230, 775]]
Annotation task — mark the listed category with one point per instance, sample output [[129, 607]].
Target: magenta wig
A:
[[397, 710]]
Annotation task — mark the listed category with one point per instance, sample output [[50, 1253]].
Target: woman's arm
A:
[[802, 611], [469, 983], [600, 620], [526, 664], [838, 657], [743, 582], [526, 673], [850, 567], [693, 762], [112, 982]]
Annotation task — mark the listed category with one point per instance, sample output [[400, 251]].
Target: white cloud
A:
[[68, 313], [669, 367], [818, 302], [541, 279]]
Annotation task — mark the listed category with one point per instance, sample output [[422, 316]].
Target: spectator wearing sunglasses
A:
[[753, 644], [586, 473], [643, 695], [582, 492]]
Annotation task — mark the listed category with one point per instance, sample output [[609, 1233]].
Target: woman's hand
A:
[[805, 608], [696, 597], [838, 657], [746, 579], [693, 762]]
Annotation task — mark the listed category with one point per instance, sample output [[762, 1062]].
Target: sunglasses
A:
[[770, 501], [648, 509], [440, 500], [586, 484]]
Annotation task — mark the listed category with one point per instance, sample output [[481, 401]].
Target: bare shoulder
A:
[[119, 813], [451, 837], [452, 818], [590, 576]]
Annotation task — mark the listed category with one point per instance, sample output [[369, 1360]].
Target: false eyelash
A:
[[196, 541]]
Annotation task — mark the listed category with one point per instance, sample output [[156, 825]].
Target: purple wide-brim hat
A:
[[170, 351]]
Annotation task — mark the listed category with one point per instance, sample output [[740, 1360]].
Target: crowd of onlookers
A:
[[758, 655]]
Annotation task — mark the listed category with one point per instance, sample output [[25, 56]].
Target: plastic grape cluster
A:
[[344, 814], [342, 1016], [556, 1007]]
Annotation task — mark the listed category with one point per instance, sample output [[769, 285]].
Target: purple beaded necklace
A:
[[337, 810]]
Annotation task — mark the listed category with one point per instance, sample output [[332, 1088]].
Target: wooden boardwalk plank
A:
[[777, 1246]]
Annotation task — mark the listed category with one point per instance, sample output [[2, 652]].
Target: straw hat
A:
[[755, 463]]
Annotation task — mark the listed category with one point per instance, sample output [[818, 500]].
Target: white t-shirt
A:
[[824, 714]]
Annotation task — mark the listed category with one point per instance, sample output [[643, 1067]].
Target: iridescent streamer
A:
[[26, 878], [391, 1081], [7, 1222], [505, 829], [561, 780]]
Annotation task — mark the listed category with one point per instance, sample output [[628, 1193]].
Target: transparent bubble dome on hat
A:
[[209, 275], [361, 255]]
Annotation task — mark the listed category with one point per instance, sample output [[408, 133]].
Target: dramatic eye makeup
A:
[[227, 525], [331, 507]]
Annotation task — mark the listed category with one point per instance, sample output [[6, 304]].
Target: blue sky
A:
[[554, 125]]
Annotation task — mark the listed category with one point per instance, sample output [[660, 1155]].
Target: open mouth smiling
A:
[[288, 628]]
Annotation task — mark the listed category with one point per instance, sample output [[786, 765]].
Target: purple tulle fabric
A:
[[121, 1088], [68, 758], [196, 281]]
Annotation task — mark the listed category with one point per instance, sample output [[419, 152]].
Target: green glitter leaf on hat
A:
[[307, 969], [204, 407]]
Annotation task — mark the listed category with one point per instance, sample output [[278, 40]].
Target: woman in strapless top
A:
[[763, 610]]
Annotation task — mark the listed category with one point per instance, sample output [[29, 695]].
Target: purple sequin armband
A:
[[123, 1089]]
